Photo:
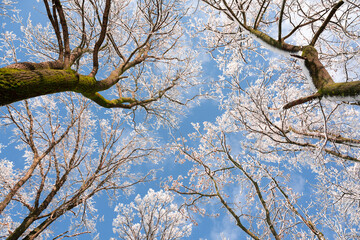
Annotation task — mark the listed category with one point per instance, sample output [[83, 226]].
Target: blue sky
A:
[[208, 228]]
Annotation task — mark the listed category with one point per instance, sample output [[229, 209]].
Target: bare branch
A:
[[326, 22], [101, 38], [55, 25], [65, 32], [302, 100], [281, 19]]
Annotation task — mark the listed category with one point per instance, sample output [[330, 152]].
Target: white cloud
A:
[[225, 229]]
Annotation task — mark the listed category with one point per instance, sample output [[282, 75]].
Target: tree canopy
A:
[[281, 159]]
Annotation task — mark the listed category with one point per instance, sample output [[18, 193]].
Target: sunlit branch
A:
[[343, 156], [125, 102]]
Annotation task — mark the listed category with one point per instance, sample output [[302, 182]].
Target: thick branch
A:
[[58, 64], [281, 19], [325, 23], [65, 32], [37, 66], [302, 100], [99, 42], [260, 14], [319, 74], [345, 91], [55, 25], [274, 43], [320, 77], [331, 137], [323, 82], [16, 85], [257, 189], [21, 81], [115, 103]]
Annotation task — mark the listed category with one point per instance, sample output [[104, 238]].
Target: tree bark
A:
[[18, 84], [323, 82], [319, 74]]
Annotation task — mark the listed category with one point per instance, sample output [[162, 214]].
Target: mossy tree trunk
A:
[[321, 79], [22, 81], [17, 84]]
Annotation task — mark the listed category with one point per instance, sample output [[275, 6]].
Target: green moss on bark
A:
[[343, 89], [275, 43], [318, 72], [17, 84]]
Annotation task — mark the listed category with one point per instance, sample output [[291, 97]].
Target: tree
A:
[[250, 187], [249, 160], [71, 154], [278, 125], [154, 216], [66, 165], [6, 7], [118, 38], [307, 26]]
